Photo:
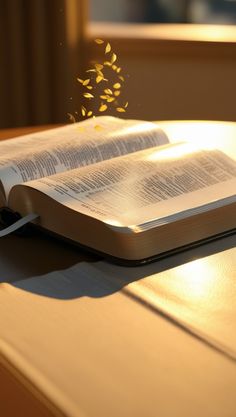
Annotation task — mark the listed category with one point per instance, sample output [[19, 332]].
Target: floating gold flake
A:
[[109, 95], [86, 82], [108, 48], [103, 107], [81, 129], [71, 117], [116, 85], [98, 127], [108, 91], [120, 109], [110, 99], [99, 67], [99, 41], [113, 58], [99, 78], [83, 111], [99, 72], [88, 95]]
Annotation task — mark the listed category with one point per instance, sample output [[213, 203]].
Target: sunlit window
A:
[[164, 11]]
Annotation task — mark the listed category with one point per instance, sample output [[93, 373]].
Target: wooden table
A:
[[128, 360]]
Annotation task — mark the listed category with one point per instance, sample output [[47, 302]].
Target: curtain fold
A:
[[41, 53]]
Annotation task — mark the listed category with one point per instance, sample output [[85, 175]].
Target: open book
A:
[[119, 187]]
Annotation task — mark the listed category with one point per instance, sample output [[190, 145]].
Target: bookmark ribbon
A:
[[18, 224]]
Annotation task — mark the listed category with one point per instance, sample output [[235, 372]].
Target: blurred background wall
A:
[[172, 71], [164, 11], [179, 56]]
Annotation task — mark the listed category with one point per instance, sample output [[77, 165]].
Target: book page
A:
[[147, 185], [94, 140]]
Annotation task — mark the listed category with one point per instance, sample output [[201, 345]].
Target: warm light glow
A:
[[174, 151], [196, 280], [134, 129], [192, 32], [214, 33], [113, 222], [204, 133]]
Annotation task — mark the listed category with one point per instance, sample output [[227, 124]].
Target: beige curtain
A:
[[41, 52]]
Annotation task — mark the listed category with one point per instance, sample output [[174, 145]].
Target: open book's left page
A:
[[62, 149]]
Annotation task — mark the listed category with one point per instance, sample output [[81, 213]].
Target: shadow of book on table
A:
[[193, 290], [80, 280]]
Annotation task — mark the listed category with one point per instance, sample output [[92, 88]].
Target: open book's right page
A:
[[144, 186]]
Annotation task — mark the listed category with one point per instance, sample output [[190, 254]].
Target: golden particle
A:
[[88, 95], [113, 58], [99, 41], [98, 127], [120, 109], [110, 99], [116, 85], [108, 48], [108, 91], [98, 67], [99, 72], [71, 117], [99, 78], [103, 107], [83, 111]]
